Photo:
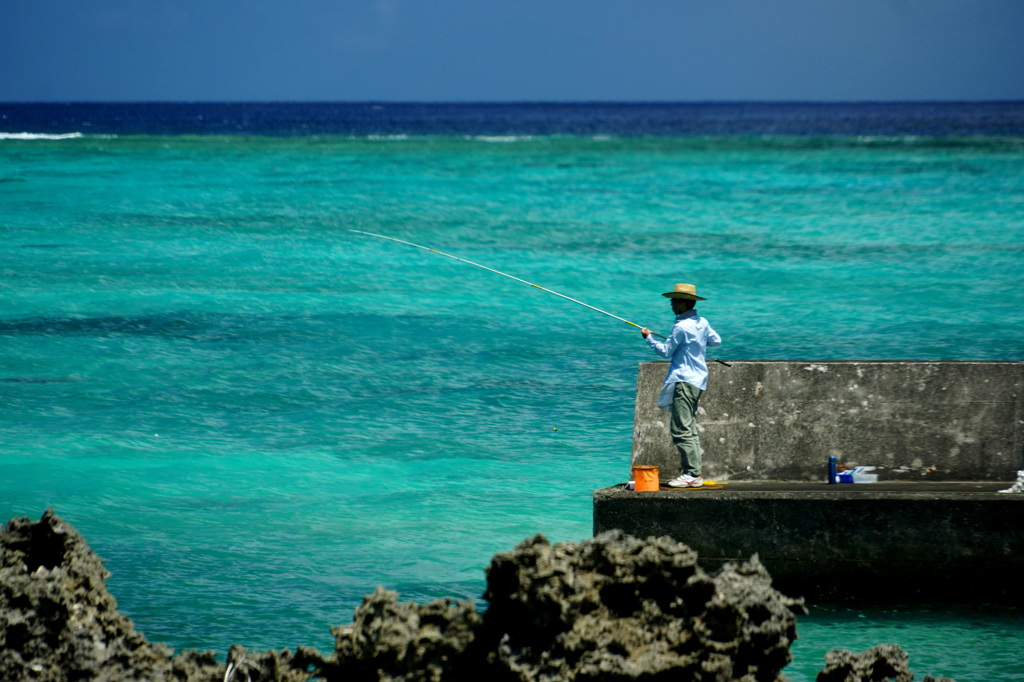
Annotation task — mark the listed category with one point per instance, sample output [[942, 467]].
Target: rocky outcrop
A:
[[877, 664], [610, 608], [59, 623], [57, 620], [619, 608]]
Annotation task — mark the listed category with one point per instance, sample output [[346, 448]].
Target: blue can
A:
[[832, 470]]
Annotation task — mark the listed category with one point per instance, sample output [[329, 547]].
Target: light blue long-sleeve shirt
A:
[[685, 348]]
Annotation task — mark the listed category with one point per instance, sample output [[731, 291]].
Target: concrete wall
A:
[[782, 420], [903, 541]]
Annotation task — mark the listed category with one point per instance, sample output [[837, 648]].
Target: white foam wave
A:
[[501, 138], [39, 136]]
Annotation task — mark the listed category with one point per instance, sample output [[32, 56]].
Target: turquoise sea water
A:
[[255, 415]]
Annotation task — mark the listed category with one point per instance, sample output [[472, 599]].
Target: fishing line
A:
[[505, 274]]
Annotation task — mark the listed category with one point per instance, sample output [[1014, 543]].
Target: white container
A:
[[861, 475]]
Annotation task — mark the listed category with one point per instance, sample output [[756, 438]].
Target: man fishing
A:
[[687, 373], [686, 380]]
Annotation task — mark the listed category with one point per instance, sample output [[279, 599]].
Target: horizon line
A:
[[516, 101]]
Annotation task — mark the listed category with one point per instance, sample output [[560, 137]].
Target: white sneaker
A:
[[1017, 487], [687, 481]]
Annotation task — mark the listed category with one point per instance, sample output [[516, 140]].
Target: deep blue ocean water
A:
[[255, 415]]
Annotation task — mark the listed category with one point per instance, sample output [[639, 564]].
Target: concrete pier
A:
[[894, 542], [956, 421], [944, 438]]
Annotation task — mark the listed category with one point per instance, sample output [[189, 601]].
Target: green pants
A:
[[683, 427]]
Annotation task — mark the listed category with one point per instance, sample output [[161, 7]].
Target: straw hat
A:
[[687, 291]]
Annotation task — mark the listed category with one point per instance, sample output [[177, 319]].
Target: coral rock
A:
[[59, 623], [617, 607], [877, 664], [611, 608]]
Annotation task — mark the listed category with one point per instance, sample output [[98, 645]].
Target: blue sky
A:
[[482, 50]]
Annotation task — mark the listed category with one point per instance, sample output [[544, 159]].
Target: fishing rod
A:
[[505, 274]]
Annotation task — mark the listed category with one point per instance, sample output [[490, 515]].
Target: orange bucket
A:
[[646, 478]]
